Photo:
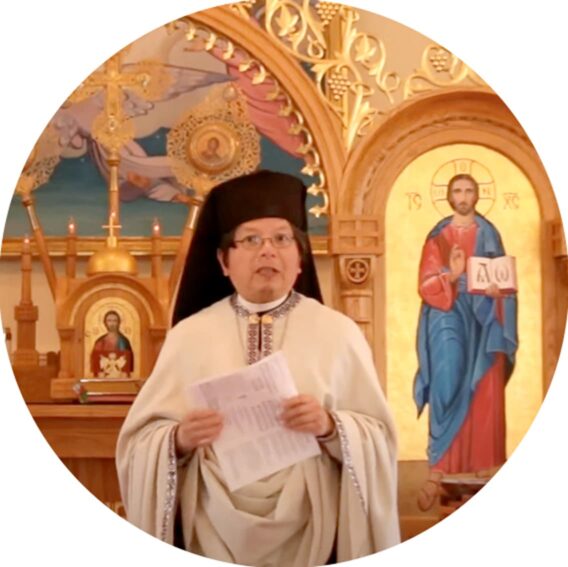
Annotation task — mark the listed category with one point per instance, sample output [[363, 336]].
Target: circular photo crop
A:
[[284, 283]]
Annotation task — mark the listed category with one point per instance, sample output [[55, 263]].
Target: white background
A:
[[49, 47]]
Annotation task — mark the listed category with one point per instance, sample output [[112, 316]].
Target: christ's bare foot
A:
[[429, 492]]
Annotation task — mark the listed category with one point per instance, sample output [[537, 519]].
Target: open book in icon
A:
[[482, 272]]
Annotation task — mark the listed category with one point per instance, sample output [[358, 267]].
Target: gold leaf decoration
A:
[[301, 29], [214, 142], [41, 162], [364, 49], [286, 22], [439, 69]]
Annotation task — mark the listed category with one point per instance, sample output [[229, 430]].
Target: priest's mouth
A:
[[267, 271]]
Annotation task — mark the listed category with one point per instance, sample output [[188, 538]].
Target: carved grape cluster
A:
[[326, 11], [440, 59], [338, 85]]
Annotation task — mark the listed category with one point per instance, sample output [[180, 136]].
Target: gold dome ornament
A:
[[112, 258]]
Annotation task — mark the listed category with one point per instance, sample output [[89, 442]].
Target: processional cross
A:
[[112, 128]]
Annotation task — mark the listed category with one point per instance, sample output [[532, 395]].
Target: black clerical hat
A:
[[257, 195]]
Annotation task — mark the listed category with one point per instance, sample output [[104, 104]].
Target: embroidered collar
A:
[[261, 307], [260, 330], [282, 309]]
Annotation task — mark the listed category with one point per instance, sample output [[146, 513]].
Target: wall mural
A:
[[204, 121]]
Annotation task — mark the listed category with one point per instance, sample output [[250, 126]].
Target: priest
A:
[[249, 288]]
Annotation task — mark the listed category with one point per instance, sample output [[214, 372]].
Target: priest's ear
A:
[[223, 257]]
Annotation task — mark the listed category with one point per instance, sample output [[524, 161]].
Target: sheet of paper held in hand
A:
[[253, 444]]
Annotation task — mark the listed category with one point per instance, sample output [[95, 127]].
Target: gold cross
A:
[[112, 226], [112, 127]]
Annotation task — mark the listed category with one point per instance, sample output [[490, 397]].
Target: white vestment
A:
[[344, 498]]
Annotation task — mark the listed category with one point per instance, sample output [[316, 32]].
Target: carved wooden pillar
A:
[[26, 315], [356, 273], [555, 295], [66, 336], [356, 243], [559, 252]]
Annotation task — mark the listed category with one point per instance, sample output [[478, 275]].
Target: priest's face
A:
[[265, 261]]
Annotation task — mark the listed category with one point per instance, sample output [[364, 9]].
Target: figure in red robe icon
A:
[[112, 355]]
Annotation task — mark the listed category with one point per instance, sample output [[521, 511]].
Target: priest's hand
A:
[[198, 428], [305, 414]]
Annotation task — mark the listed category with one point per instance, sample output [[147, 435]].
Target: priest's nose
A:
[[267, 247]]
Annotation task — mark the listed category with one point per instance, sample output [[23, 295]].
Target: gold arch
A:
[[74, 308], [108, 283]]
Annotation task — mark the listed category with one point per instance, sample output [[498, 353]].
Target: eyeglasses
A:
[[255, 241]]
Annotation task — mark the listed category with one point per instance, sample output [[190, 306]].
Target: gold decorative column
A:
[[183, 249], [40, 242], [26, 314]]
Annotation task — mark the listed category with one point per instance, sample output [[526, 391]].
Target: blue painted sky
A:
[[77, 189]]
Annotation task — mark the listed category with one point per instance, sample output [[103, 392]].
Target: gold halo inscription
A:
[[440, 179]]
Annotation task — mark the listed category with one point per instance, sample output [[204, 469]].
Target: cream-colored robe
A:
[[346, 496]]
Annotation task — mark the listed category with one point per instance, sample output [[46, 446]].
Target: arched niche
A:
[[149, 319], [417, 202], [418, 126]]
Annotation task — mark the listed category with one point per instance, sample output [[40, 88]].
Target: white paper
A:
[[253, 444]]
